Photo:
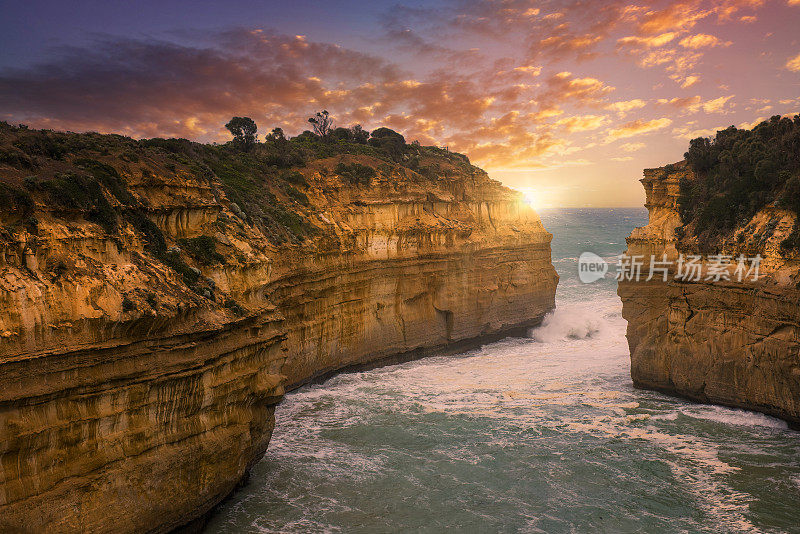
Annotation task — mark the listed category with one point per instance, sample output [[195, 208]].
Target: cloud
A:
[[688, 103], [794, 63], [582, 123], [510, 82], [752, 124], [637, 127], [689, 133], [147, 88], [717, 105], [626, 105], [586, 91], [703, 40], [689, 81], [631, 147], [636, 41]]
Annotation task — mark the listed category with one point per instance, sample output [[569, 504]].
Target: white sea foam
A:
[[732, 416]]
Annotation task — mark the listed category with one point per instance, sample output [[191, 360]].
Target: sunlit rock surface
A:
[[131, 401], [721, 342]]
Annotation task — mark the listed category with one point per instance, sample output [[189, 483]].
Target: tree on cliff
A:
[[359, 134], [244, 131], [389, 141], [322, 122]]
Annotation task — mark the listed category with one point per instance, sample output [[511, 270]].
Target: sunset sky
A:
[[567, 101]]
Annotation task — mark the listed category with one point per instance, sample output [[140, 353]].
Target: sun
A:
[[533, 198]]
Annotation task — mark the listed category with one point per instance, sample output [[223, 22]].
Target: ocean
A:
[[538, 434]]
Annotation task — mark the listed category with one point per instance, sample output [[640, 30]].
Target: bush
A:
[[297, 196], [16, 159], [295, 177], [17, 201], [738, 173], [128, 305], [203, 249], [71, 191], [356, 173], [388, 141]]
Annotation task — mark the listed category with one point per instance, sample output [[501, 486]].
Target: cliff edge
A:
[[723, 340], [159, 296]]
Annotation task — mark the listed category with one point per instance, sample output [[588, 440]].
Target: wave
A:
[[733, 416], [578, 321]]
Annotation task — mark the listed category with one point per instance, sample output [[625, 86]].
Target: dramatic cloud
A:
[[516, 84]]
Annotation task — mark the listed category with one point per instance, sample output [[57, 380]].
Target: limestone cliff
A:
[[723, 342], [149, 324]]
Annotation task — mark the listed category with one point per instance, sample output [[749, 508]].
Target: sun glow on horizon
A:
[[535, 198]]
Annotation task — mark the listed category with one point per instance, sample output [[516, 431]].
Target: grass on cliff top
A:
[[738, 173], [88, 173]]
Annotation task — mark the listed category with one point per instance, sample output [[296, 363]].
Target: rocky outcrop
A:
[[723, 342], [142, 353]]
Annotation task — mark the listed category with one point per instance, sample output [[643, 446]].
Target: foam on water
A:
[[537, 434]]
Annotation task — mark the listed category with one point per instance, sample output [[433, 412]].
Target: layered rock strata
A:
[[133, 401], [717, 341]]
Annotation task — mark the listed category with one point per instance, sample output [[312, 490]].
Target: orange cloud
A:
[[794, 63], [639, 126], [716, 105], [647, 41], [703, 40], [582, 123], [691, 103], [688, 81], [627, 105], [587, 91]]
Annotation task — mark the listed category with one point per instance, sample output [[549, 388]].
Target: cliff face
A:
[[723, 342], [149, 325]]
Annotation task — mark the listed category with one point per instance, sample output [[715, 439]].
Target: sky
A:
[[565, 100]]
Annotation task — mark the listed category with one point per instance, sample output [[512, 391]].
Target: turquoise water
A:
[[541, 434]]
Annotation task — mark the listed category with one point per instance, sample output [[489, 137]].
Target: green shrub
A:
[[297, 196], [356, 173], [16, 159], [295, 177], [72, 191], [203, 249], [738, 173], [109, 177], [17, 201]]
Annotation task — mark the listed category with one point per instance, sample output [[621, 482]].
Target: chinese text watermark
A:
[[687, 268]]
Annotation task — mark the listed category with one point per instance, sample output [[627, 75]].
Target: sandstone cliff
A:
[[723, 342], [149, 324]]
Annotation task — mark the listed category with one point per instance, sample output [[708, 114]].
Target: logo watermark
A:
[[591, 267], [687, 268]]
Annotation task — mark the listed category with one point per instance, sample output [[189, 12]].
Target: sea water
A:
[[538, 434]]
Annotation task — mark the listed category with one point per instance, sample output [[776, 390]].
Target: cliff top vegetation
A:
[[267, 179], [738, 173]]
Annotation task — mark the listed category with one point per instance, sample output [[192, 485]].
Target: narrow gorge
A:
[[159, 297]]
